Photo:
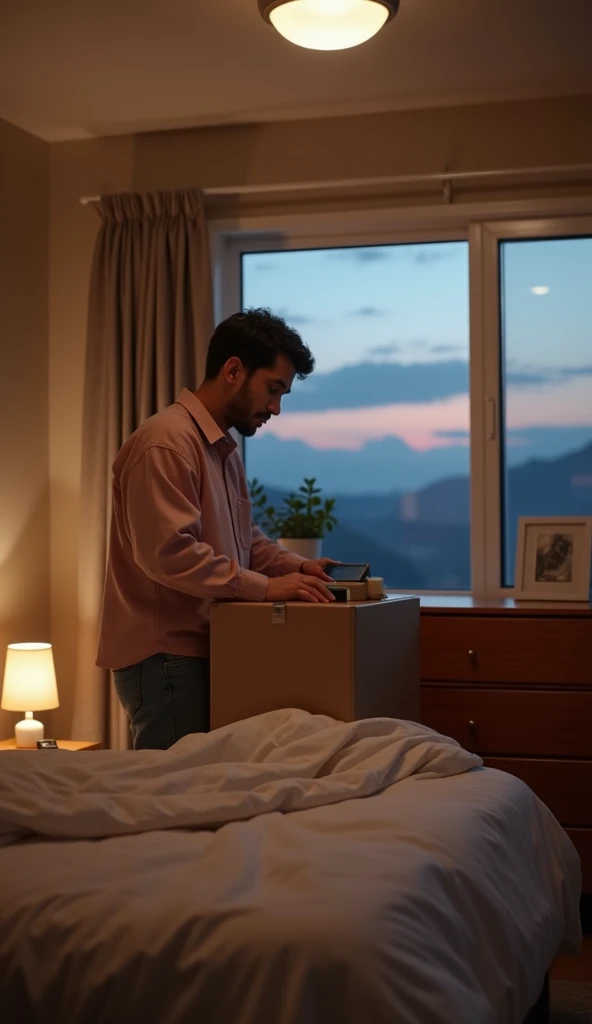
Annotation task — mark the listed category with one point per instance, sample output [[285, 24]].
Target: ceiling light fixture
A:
[[328, 24], [540, 289]]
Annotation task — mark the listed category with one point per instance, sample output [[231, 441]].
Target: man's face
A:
[[259, 397]]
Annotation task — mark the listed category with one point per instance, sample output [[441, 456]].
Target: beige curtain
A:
[[149, 322]]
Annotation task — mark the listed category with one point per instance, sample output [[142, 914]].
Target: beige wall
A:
[[24, 501], [495, 135], [492, 136], [76, 168]]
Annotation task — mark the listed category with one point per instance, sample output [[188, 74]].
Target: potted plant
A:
[[301, 523]]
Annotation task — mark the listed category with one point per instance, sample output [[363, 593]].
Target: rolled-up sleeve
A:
[[162, 517], [270, 558]]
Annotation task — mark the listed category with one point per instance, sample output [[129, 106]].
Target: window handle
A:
[[491, 419]]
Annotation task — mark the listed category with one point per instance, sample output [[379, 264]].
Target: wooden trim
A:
[[431, 604]]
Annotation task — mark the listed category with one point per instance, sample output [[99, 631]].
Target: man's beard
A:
[[245, 429], [240, 415]]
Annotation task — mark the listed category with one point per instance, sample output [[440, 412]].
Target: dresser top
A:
[[436, 604]]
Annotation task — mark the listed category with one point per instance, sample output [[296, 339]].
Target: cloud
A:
[[368, 311], [546, 374], [295, 319], [453, 435], [368, 254], [423, 254], [524, 377], [425, 257], [446, 349], [372, 255], [417, 424], [298, 319], [265, 268], [429, 422], [381, 382], [576, 371], [384, 350]]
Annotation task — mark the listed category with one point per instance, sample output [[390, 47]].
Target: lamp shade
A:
[[29, 678], [328, 24]]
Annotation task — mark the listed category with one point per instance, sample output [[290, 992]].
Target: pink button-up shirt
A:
[[181, 537]]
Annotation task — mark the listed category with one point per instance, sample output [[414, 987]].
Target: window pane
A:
[[383, 423], [546, 294]]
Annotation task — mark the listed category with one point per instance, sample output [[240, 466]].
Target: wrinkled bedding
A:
[[289, 869]]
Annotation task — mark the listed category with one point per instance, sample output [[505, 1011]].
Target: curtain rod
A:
[[445, 178]]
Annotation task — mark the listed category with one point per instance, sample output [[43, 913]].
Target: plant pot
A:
[[306, 547]]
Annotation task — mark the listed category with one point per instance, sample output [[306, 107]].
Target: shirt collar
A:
[[213, 434]]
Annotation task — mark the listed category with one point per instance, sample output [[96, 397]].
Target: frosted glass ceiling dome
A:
[[328, 24]]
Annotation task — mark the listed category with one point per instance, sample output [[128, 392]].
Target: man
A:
[[182, 534]]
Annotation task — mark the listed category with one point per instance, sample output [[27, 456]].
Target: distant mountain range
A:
[[422, 540], [387, 465], [547, 487], [379, 467]]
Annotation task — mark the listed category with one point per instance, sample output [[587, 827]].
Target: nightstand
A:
[[62, 745]]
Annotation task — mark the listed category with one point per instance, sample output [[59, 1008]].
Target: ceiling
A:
[[72, 69]]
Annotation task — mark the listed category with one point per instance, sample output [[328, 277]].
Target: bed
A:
[[289, 869]]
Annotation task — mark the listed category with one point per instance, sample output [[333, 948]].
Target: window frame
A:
[[489, 331], [484, 229]]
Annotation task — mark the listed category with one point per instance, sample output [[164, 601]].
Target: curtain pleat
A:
[[150, 318]]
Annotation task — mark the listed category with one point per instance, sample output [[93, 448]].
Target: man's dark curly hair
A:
[[257, 337]]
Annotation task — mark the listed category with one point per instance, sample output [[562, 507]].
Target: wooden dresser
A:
[[513, 682]]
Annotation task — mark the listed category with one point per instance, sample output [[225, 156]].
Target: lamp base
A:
[[27, 732]]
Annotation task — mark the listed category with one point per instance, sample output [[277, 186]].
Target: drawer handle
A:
[[471, 724], [472, 655]]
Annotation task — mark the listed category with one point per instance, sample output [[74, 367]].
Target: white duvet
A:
[[285, 870]]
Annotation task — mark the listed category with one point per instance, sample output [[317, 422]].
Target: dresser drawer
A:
[[506, 649], [512, 721], [564, 786]]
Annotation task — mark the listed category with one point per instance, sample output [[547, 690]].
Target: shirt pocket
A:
[[244, 512]]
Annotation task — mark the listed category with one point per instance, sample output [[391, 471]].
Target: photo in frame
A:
[[553, 558]]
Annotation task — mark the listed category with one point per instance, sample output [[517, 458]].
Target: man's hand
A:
[[298, 586], [316, 567]]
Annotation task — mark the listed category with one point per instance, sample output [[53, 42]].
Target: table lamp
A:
[[29, 685]]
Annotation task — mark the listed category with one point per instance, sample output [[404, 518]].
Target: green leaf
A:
[[304, 514]]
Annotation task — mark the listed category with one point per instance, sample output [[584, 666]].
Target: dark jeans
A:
[[164, 697]]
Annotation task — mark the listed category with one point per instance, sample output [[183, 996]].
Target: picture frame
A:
[[553, 557]]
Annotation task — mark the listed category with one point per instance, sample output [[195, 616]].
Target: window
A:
[[546, 330], [453, 389], [383, 423]]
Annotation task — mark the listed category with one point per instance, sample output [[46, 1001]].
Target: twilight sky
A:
[[399, 315]]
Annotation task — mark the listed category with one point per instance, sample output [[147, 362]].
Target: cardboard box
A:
[[348, 661]]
